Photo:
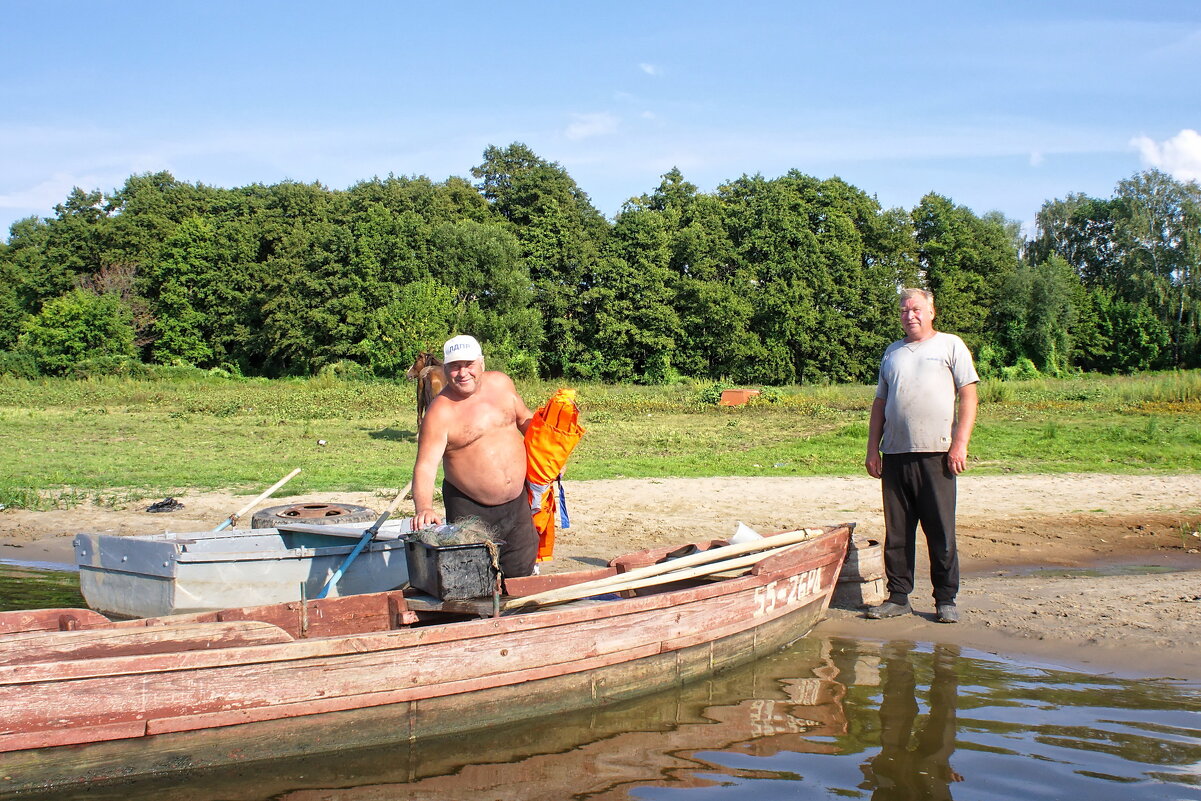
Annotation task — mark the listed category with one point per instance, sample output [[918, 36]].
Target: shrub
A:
[[105, 366], [18, 364], [768, 395], [345, 370], [77, 326], [1024, 370], [710, 395]]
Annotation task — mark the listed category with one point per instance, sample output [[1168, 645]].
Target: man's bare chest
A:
[[479, 424]]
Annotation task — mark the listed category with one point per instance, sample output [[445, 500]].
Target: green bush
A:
[[768, 395], [711, 394], [77, 326], [18, 364], [106, 366], [345, 370], [994, 391], [1024, 370]]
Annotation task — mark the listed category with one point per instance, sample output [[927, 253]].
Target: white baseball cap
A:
[[462, 348]]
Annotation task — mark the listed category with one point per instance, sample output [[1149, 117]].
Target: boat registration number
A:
[[786, 592]]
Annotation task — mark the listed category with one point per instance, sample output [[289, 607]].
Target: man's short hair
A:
[[906, 294]]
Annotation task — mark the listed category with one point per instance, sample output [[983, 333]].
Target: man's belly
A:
[[489, 473]]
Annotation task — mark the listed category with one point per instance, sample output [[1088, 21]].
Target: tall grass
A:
[[118, 440]]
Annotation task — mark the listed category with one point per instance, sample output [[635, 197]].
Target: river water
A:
[[826, 719]]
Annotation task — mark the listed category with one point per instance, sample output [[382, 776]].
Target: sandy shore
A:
[[1025, 541]]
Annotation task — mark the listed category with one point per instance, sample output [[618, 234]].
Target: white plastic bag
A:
[[744, 533]]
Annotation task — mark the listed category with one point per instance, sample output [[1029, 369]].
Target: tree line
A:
[[780, 280]]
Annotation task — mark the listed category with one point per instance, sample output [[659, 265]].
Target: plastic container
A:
[[451, 572]]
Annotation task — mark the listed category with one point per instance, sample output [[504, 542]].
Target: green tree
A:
[[76, 326], [494, 296], [1035, 314], [1159, 232], [180, 325], [964, 260], [418, 318], [1081, 231], [561, 236], [631, 324]]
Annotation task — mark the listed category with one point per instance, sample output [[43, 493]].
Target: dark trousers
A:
[[511, 522], [919, 488]]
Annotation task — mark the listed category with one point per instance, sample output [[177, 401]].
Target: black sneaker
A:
[[946, 613], [887, 609]]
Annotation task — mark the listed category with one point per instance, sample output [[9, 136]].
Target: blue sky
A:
[[997, 105]]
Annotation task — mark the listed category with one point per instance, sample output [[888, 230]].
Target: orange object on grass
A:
[[552, 435], [736, 397]]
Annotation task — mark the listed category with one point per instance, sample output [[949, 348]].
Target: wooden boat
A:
[[175, 573], [83, 699]]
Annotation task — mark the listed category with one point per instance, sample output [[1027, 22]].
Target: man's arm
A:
[[521, 413], [875, 431], [431, 445], [965, 420], [524, 415]]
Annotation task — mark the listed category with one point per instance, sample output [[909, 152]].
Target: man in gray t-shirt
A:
[[924, 446]]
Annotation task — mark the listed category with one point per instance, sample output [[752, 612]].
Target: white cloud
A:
[[586, 126], [1037, 159], [649, 69], [1179, 156]]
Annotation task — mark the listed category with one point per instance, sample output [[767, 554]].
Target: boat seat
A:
[[480, 607]]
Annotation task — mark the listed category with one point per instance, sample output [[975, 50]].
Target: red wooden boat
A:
[[83, 699]]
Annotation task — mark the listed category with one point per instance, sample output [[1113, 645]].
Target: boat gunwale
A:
[[399, 639]]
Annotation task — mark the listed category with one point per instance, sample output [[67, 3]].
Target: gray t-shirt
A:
[[918, 381]]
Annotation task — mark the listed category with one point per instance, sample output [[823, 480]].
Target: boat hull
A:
[[170, 712]]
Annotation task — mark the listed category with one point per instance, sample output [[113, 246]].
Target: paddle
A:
[[716, 560], [367, 537], [232, 520]]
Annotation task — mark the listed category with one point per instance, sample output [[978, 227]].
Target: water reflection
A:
[[38, 585], [914, 760], [827, 718]]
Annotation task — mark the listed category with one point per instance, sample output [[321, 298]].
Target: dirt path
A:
[[1011, 528]]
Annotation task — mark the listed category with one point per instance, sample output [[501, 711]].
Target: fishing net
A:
[[464, 531]]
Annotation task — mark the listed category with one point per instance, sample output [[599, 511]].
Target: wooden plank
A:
[[465, 688], [41, 646], [725, 554], [19, 621], [47, 738], [479, 607]]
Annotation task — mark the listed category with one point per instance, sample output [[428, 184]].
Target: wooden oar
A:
[[232, 520], [718, 559], [367, 537]]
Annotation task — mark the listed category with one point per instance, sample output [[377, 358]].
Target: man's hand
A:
[[957, 458], [425, 518], [874, 464], [875, 431]]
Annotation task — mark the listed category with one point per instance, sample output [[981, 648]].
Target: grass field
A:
[[117, 440]]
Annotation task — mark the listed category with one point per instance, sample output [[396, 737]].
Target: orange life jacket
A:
[[552, 435]]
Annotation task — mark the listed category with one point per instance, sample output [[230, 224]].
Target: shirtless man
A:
[[475, 426]]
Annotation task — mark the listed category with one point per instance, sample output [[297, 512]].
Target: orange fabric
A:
[[552, 435]]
